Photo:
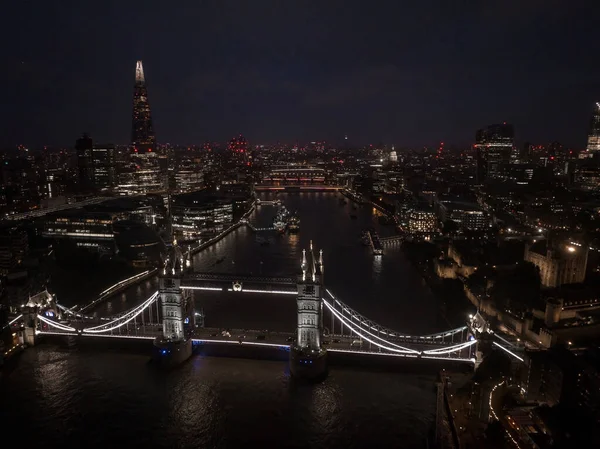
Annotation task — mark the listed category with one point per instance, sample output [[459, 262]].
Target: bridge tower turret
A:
[[174, 346], [308, 358]]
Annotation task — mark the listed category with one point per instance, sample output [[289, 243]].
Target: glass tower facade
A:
[[593, 144], [142, 131], [495, 146]]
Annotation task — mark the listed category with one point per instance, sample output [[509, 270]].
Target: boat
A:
[[279, 225], [294, 224], [280, 221]]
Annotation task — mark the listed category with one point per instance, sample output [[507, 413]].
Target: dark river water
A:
[[67, 396]]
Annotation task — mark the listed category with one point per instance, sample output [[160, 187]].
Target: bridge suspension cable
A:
[[12, 321], [450, 349], [59, 326], [363, 321], [351, 326], [124, 319]]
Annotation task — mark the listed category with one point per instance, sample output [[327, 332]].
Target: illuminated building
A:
[[88, 230], [587, 174], [593, 144], [85, 170], [143, 177], [422, 222], [201, 213], [188, 180], [467, 216], [104, 166], [238, 145], [142, 131], [494, 146], [559, 264]]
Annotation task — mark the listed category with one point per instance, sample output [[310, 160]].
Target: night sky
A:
[[408, 73]]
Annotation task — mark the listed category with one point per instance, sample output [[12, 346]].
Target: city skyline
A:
[[402, 75]]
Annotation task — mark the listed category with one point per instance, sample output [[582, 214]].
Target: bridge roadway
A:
[[218, 279], [250, 337]]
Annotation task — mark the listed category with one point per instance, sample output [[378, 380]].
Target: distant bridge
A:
[[297, 187], [395, 240]]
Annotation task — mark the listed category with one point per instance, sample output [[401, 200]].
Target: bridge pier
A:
[[308, 359]]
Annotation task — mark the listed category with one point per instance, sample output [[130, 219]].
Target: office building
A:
[[87, 230], [593, 143], [104, 166], [142, 176], [495, 148], [467, 216], [587, 174], [422, 221], [201, 214], [142, 130], [188, 180], [85, 171]]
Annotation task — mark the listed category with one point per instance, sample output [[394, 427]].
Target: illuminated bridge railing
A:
[[139, 323]]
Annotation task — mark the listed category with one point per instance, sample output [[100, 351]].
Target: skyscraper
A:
[[593, 145], [142, 131], [494, 146], [104, 165], [85, 166]]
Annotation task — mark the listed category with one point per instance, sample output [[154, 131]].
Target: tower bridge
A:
[[324, 322]]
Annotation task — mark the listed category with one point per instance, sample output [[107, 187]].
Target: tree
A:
[[519, 288]]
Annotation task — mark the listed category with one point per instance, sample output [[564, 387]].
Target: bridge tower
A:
[[174, 346], [30, 321], [308, 359]]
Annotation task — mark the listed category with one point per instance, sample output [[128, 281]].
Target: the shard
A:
[[142, 131]]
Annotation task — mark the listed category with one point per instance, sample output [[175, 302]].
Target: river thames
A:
[[69, 396]]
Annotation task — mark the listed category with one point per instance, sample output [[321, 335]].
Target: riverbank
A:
[[242, 221]]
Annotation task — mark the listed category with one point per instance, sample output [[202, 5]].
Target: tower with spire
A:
[[175, 344], [307, 355], [142, 130]]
